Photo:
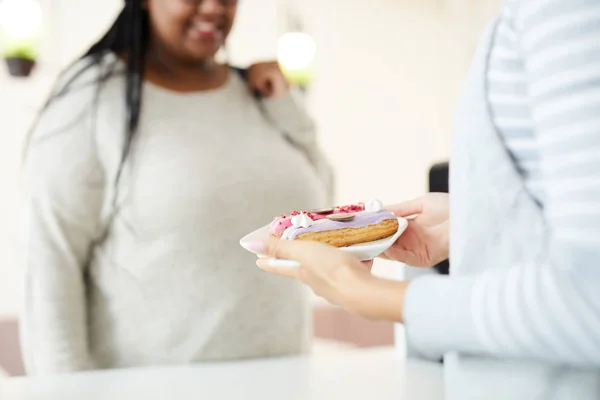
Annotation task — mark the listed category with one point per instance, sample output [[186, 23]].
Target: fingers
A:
[[285, 250], [407, 208], [267, 79], [264, 264], [271, 86], [308, 253], [264, 87], [297, 250], [368, 264], [395, 254]]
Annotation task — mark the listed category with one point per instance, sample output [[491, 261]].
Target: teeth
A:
[[205, 26]]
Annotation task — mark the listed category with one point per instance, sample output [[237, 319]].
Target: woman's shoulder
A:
[[68, 117], [81, 79], [77, 89], [68, 122]]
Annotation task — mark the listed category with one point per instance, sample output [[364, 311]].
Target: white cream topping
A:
[[373, 206], [302, 221], [286, 233]]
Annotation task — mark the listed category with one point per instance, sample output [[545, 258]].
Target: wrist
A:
[[443, 242], [446, 238], [376, 298]]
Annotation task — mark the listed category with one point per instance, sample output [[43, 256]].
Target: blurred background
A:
[[385, 72]]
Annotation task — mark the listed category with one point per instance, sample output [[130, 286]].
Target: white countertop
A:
[[351, 374]]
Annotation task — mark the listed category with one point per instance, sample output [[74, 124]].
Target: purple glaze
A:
[[359, 221]]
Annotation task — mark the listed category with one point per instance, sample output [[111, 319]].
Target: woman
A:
[[524, 238], [148, 162]]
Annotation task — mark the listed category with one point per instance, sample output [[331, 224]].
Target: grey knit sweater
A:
[[169, 282]]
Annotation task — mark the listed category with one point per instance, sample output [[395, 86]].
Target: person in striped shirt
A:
[[534, 295]]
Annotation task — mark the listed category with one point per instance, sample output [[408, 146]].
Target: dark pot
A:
[[19, 67]]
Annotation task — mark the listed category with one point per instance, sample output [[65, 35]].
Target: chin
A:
[[203, 55]]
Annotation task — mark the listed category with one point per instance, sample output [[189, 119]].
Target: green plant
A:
[[19, 47], [19, 52]]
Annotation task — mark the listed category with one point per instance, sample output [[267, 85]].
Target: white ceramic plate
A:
[[363, 251]]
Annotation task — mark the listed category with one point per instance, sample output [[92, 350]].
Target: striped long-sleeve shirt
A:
[[544, 94]]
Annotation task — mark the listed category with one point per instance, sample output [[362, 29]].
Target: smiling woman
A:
[[147, 163], [193, 35]]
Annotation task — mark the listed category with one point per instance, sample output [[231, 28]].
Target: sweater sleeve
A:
[[62, 198], [550, 311], [289, 114]]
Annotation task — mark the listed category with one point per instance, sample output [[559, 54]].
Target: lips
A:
[[206, 30]]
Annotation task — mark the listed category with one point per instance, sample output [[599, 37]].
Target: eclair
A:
[[339, 226]]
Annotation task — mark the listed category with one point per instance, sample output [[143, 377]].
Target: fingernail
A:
[[258, 247]]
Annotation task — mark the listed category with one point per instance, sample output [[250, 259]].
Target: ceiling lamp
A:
[[296, 52]]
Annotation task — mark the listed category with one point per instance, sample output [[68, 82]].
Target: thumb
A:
[[408, 208], [283, 249], [296, 250]]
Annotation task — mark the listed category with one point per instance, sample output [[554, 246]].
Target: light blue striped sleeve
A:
[[547, 312]]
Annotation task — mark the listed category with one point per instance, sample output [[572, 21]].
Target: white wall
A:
[[389, 74], [71, 25]]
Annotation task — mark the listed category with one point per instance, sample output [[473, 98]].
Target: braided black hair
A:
[[128, 39]]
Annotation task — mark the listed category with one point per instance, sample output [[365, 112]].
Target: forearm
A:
[[54, 316], [375, 298], [536, 312], [289, 114], [442, 243], [529, 312], [53, 325]]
